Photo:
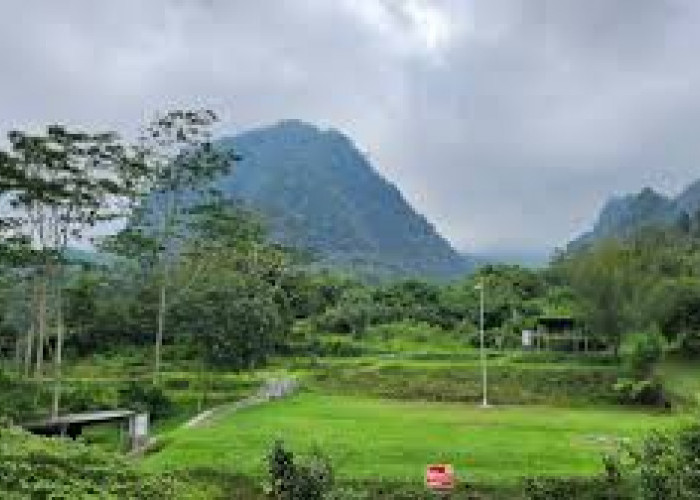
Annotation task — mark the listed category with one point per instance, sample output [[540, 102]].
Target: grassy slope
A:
[[369, 437]]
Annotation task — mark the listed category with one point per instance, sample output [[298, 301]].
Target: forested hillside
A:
[[318, 192], [622, 216]]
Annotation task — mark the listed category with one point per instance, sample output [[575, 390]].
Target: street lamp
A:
[[480, 287]]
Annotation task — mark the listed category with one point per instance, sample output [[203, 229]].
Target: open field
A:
[[371, 438]]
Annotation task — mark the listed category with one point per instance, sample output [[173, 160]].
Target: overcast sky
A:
[[508, 123]]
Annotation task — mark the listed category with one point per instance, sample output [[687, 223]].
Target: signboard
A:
[[440, 477]]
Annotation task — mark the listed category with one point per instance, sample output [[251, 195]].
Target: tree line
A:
[[194, 271]]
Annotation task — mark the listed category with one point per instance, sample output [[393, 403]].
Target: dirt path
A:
[[272, 389]]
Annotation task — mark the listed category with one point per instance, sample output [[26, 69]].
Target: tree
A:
[[230, 296], [674, 305], [58, 185], [182, 160], [603, 278]]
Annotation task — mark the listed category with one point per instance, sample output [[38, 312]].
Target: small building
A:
[[559, 333]]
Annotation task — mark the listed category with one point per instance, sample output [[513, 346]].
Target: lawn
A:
[[369, 438]]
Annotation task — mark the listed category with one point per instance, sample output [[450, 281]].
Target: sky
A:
[[508, 123]]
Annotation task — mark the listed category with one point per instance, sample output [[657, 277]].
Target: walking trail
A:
[[272, 389]]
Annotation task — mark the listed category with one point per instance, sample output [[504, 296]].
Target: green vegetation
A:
[[370, 438], [194, 305], [320, 193], [33, 467], [458, 381]]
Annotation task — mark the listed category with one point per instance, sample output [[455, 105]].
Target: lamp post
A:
[[484, 378]]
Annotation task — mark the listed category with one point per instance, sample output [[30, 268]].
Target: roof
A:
[[557, 321], [83, 418]]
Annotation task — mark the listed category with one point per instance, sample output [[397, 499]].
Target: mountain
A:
[[624, 215], [318, 192]]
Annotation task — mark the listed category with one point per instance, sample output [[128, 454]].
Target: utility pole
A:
[[484, 377]]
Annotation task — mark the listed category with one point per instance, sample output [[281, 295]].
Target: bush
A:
[[689, 344], [640, 392], [643, 352], [35, 467], [668, 466], [142, 396], [332, 346], [573, 488], [309, 479], [22, 399], [89, 397], [664, 466]]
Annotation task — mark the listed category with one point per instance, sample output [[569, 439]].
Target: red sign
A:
[[440, 477]]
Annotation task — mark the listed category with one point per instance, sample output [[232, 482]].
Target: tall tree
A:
[[183, 162], [59, 184], [603, 278]]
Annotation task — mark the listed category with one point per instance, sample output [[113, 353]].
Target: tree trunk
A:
[[41, 322], [31, 331], [59, 350], [18, 355], [159, 333], [28, 350]]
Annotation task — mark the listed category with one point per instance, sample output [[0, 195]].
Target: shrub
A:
[[89, 397], [142, 396], [290, 479], [575, 488], [689, 344], [22, 399], [643, 352], [640, 392], [35, 467], [668, 466], [664, 466]]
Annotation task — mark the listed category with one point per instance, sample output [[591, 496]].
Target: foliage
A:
[[647, 392], [143, 396], [674, 304], [451, 381], [318, 192], [574, 488], [664, 465], [21, 399], [667, 465], [601, 278], [294, 479], [34, 467], [643, 351]]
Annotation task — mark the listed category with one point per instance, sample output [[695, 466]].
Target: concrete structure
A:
[[71, 425]]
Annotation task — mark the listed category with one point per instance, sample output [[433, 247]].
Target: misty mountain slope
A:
[[622, 216], [318, 192]]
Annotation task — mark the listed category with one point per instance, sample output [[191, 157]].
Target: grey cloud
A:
[[509, 134]]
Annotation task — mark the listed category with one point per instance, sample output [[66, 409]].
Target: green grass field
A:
[[370, 438]]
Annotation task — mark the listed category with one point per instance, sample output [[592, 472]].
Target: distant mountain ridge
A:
[[318, 192], [624, 215]]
